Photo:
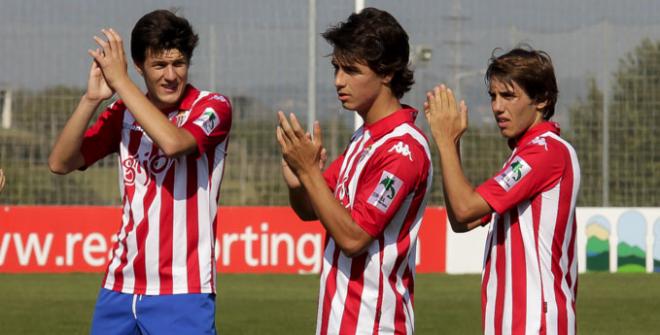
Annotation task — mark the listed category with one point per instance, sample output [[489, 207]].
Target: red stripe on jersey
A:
[[330, 290], [518, 277], [165, 231], [134, 146], [399, 311], [139, 265], [379, 303], [192, 229], [536, 218], [500, 258], [214, 225], [351, 312], [484, 282], [563, 213], [571, 259], [118, 274]]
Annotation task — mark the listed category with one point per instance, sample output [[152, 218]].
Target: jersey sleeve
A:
[[386, 182], [209, 122], [103, 137], [530, 171]]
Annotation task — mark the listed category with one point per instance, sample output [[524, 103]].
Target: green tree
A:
[[37, 118], [634, 120]]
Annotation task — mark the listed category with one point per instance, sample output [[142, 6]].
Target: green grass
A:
[[286, 304]]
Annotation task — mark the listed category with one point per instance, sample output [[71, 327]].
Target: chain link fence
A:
[[606, 54]]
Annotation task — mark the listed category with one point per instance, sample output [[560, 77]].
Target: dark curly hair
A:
[[162, 30], [373, 37]]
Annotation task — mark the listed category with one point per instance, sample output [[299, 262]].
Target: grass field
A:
[[286, 304]]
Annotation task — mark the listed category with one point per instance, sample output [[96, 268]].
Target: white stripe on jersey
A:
[[507, 321], [548, 217], [119, 251], [337, 306], [569, 292], [151, 246], [180, 231], [390, 253], [533, 289], [491, 285], [350, 153], [328, 254]]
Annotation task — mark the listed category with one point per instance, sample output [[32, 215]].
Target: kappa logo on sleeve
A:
[[402, 149], [207, 121], [513, 173], [387, 188]]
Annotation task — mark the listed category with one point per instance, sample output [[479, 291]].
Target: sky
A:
[[259, 48]]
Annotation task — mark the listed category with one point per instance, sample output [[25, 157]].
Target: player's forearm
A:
[[456, 225], [172, 140], [336, 219], [464, 204], [300, 204], [65, 155]]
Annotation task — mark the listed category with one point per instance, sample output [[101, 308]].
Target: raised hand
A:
[[110, 57], [300, 151], [97, 87], [448, 122]]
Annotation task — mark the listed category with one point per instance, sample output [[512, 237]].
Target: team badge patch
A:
[[513, 173], [207, 121], [387, 188]]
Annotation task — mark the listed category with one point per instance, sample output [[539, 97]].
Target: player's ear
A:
[[387, 79], [540, 106], [139, 68]]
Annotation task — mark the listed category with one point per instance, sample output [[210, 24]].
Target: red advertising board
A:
[[250, 240]]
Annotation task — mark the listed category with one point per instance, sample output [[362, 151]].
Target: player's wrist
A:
[[308, 176], [91, 99], [445, 143]]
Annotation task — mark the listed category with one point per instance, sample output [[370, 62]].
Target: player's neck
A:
[[385, 105]]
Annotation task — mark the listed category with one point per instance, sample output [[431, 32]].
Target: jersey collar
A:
[[533, 132], [190, 94], [383, 126]]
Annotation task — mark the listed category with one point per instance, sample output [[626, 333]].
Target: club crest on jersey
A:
[[402, 149], [387, 188], [207, 121], [513, 173], [364, 153]]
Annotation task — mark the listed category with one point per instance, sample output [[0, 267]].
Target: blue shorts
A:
[[121, 313]]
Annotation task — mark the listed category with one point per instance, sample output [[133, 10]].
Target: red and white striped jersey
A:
[[529, 282], [383, 179], [166, 241]]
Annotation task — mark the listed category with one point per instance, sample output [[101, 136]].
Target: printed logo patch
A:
[[387, 188], [402, 149], [513, 173], [207, 121]]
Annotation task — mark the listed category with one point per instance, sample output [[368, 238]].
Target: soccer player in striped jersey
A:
[[171, 145], [529, 281], [371, 199]]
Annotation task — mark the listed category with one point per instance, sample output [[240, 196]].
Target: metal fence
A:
[[606, 55]]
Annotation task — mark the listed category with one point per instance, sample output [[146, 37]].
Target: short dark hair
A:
[[374, 37], [162, 30], [531, 69]]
